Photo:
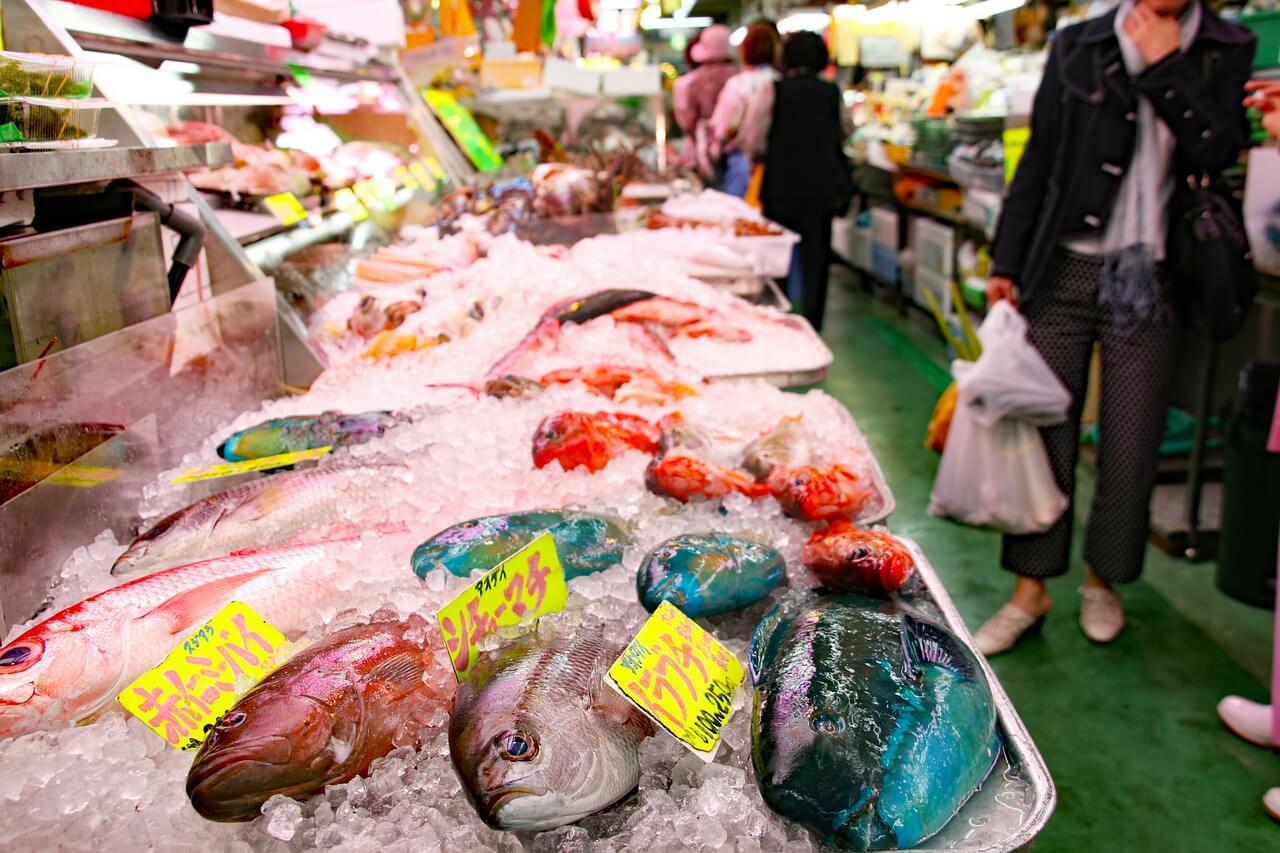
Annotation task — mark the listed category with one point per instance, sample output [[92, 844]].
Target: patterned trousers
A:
[[1064, 321]]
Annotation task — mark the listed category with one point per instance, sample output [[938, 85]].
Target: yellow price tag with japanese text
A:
[[423, 177], [285, 207], [524, 586], [1015, 140], [346, 201], [681, 677], [227, 469], [435, 168], [405, 178], [182, 697]]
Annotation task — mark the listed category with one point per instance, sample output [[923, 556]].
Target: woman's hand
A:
[[1156, 36], [999, 289]]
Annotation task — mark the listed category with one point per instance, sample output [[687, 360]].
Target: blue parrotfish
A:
[[305, 432], [872, 725], [585, 542], [708, 573]]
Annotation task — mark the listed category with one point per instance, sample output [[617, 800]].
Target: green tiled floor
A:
[[1128, 731]]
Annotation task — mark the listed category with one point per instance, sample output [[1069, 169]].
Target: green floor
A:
[[1128, 731]]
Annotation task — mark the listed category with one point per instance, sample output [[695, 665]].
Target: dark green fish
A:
[[872, 726], [305, 432], [585, 542], [708, 573]]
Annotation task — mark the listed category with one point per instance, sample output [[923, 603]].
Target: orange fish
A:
[[607, 380], [814, 492], [591, 441], [686, 478], [848, 558]]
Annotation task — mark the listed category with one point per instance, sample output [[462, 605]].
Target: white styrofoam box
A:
[[884, 262], [770, 254], [570, 77], [982, 208], [379, 21], [243, 28], [842, 235], [646, 80], [935, 245], [935, 283], [884, 227]]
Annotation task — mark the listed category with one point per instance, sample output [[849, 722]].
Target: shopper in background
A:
[[740, 123], [696, 92], [1130, 103], [807, 179], [1255, 722]]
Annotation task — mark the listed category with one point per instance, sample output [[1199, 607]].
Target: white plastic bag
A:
[[996, 475], [1010, 379], [994, 470]]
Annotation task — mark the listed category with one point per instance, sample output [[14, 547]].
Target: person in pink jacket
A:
[[1257, 723], [695, 95]]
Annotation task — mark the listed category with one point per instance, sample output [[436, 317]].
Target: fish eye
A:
[[862, 552], [829, 725], [517, 746], [19, 656], [233, 720]]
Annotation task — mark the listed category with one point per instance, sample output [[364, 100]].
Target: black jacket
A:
[[805, 167], [1083, 133]]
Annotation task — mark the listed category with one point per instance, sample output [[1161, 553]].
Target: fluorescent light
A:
[[991, 8], [173, 66], [738, 36], [651, 19], [811, 20]]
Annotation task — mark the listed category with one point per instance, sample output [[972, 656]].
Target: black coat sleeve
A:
[[1208, 120], [1020, 212]]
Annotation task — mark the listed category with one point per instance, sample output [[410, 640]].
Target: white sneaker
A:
[[1271, 802], [1101, 614], [1249, 720], [1002, 631]]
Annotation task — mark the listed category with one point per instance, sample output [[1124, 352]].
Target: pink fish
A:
[[71, 666]]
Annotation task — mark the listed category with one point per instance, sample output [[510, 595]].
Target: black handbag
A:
[[1209, 260]]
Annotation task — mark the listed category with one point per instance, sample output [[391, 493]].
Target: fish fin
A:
[[403, 670], [925, 644], [189, 606]]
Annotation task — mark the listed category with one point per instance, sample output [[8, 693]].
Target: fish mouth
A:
[[493, 804], [217, 794], [27, 692]]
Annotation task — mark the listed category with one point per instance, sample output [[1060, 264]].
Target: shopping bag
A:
[[996, 475], [1010, 379]]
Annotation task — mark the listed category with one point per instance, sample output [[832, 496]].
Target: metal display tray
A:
[[1017, 799], [808, 374]]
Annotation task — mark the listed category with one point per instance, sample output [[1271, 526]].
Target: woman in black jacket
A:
[[806, 175], [1131, 104]]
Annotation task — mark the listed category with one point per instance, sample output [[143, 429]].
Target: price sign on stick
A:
[[286, 208], [522, 587], [681, 677], [227, 469], [422, 176], [203, 677], [346, 201]]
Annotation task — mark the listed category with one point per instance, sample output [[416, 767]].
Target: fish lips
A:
[[494, 807], [220, 789]]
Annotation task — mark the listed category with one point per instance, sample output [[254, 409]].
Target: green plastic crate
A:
[[1266, 25]]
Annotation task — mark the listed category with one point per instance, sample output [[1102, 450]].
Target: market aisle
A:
[[1129, 732]]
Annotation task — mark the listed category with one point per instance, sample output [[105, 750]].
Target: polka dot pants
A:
[[1064, 320]]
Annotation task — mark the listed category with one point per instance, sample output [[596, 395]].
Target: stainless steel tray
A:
[[808, 374], [1014, 804]]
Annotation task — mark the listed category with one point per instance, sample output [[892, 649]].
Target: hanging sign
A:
[[462, 125]]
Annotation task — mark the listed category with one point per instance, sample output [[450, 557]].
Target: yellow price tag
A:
[[422, 176], [369, 193], [681, 677], [435, 168], [1015, 140], [524, 586], [285, 207], [346, 201], [227, 469], [405, 178], [182, 697]]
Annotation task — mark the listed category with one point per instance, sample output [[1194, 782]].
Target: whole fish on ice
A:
[[685, 470], [537, 737], [585, 542], [591, 440], [708, 573], [305, 432], [817, 492], [872, 726], [848, 558], [784, 444], [71, 666], [320, 719], [286, 508]]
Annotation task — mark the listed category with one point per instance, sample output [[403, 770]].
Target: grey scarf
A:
[[1133, 244]]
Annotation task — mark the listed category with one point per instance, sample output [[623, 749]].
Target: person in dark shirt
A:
[[807, 180]]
